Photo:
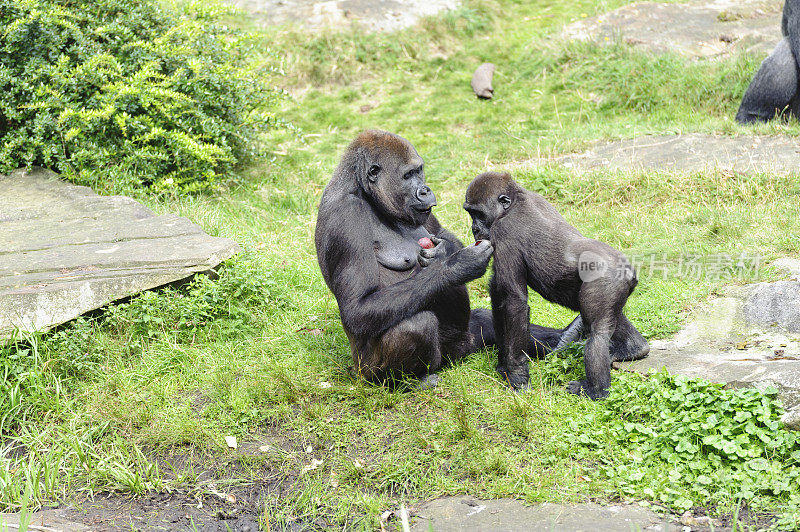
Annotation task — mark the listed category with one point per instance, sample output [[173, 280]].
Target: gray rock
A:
[[482, 81], [747, 338], [694, 152], [699, 29], [688, 519], [47, 520], [791, 418], [454, 514], [372, 15], [775, 304], [64, 250]]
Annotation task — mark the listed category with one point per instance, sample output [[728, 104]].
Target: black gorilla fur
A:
[[774, 89]]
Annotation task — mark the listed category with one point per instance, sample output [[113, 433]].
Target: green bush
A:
[[119, 95]]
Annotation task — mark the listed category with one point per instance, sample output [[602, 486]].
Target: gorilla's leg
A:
[[628, 343], [601, 303], [411, 346], [481, 328], [773, 88], [573, 333], [542, 339]]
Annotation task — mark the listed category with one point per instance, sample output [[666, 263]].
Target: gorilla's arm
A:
[[791, 26], [366, 307], [773, 87]]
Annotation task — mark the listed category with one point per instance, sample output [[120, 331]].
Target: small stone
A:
[[791, 419], [231, 441], [482, 81], [691, 521]]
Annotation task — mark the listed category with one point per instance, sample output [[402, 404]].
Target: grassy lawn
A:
[[141, 396]]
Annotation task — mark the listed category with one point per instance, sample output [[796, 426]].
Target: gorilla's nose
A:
[[425, 195]]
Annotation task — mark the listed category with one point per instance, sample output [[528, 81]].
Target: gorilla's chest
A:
[[397, 248]]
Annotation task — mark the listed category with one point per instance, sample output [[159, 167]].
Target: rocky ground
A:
[[693, 152], [698, 29], [67, 251]]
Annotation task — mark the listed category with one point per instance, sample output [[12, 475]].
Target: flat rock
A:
[[454, 514], [699, 29], [694, 152], [372, 15], [64, 250], [46, 520], [748, 337]]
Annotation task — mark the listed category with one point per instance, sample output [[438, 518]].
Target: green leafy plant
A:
[[691, 442], [120, 95]]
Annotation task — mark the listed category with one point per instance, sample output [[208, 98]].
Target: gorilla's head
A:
[[389, 172], [489, 196]]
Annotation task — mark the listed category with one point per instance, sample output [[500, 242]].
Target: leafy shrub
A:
[[118, 95], [689, 442]]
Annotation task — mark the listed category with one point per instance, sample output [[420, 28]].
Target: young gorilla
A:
[[774, 89], [535, 246]]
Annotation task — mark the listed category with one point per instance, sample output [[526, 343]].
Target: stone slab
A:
[[694, 152], [43, 521], [372, 15], [747, 337], [698, 29], [65, 251], [455, 514]]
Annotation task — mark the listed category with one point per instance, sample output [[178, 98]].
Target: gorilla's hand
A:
[[438, 252], [470, 262]]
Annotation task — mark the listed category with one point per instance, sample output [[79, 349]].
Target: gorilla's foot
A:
[[427, 382], [583, 388], [517, 381], [629, 353]]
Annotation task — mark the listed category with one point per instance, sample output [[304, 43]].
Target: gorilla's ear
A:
[[372, 173], [360, 166], [505, 201]]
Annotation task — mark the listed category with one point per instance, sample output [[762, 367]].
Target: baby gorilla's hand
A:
[[437, 252]]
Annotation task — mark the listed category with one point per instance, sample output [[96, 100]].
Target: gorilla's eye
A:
[[373, 170]]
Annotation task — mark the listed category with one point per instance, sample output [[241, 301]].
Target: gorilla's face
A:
[[395, 180], [487, 200], [483, 216]]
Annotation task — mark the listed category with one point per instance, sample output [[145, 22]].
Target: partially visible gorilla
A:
[[774, 89], [400, 316]]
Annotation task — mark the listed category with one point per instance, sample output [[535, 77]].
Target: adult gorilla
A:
[[774, 89], [403, 308]]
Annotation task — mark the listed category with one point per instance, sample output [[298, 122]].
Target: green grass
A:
[[117, 401]]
